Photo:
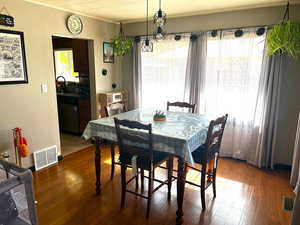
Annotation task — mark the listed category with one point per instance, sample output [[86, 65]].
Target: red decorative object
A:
[[21, 145]]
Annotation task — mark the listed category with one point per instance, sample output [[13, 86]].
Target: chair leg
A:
[[170, 173], [214, 182], [216, 160], [203, 176], [123, 181], [112, 153], [150, 188], [142, 179], [137, 180]]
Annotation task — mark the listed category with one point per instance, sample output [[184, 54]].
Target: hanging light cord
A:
[[159, 4], [121, 29], [147, 19], [287, 12]]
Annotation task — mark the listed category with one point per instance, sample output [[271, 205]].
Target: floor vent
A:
[[288, 203], [45, 157]]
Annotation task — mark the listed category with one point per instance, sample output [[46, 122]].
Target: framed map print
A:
[[12, 58]]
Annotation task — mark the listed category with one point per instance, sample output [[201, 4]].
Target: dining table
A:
[[180, 135]]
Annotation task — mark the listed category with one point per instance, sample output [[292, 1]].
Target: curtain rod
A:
[[195, 32]]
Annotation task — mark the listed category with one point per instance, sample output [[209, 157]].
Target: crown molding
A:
[[195, 13], [206, 12], [72, 11]]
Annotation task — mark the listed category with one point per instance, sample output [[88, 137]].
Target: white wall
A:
[[24, 105]]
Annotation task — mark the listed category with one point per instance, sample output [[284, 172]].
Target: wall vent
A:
[[288, 203], [45, 157]]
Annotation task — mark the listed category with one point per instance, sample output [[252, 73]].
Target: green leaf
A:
[[284, 38], [121, 44]]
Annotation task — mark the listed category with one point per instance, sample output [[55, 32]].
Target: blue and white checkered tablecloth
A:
[[180, 135]]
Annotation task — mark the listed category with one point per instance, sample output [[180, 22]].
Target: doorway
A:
[[73, 90]]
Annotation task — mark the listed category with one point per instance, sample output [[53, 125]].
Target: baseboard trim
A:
[[277, 166], [280, 166], [32, 168], [60, 157]]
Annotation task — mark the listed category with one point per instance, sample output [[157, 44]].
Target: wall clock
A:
[[74, 24]]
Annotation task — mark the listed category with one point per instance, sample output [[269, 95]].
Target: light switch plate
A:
[[44, 88]]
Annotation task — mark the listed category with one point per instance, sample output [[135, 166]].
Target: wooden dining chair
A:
[[191, 107], [209, 152], [113, 110], [140, 147]]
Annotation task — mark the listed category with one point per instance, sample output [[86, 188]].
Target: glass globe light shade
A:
[[147, 46], [159, 34], [160, 18]]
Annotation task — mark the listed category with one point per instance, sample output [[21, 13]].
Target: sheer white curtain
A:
[[163, 72], [231, 86]]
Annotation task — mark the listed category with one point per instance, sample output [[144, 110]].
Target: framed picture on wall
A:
[[12, 58], [108, 53]]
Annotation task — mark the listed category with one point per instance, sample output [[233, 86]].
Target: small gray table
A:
[[179, 136]]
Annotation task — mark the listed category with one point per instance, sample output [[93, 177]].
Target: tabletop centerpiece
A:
[[159, 116]]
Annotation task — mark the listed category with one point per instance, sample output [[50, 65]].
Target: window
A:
[[233, 74], [163, 72], [64, 65]]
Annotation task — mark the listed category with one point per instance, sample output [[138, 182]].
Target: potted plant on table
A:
[[159, 116]]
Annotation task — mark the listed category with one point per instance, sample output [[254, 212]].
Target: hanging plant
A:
[[284, 38], [121, 43]]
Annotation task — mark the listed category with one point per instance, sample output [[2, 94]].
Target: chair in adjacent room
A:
[[209, 152], [114, 109], [136, 150]]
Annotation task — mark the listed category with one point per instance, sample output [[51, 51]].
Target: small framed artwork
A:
[[108, 53], [12, 58]]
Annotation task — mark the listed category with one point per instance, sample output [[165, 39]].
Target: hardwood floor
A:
[[245, 196], [71, 143]]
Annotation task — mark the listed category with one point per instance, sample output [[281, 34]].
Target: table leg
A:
[[180, 190], [98, 166]]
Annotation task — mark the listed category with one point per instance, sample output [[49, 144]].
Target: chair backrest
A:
[[132, 142], [114, 109], [181, 105], [215, 135]]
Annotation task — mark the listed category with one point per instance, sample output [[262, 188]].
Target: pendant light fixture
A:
[[160, 18], [147, 45], [159, 34]]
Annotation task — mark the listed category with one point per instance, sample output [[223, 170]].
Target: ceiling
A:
[[135, 10]]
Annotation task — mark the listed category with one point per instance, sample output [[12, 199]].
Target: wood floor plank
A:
[[245, 196]]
